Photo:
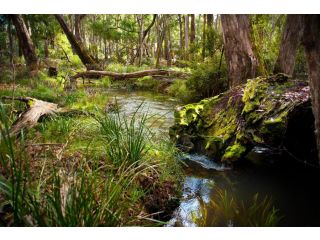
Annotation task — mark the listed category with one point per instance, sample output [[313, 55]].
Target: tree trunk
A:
[[204, 36], [122, 76], [291, 37], [210, 20], [141, 39], [192, 29], [311, 42], [11, 51], [25, 43], [241, 61], [77, 25], [186, 36], [167, 47], [80, 50], [46, 48], [181, 34], [161, 34], [145, 33]]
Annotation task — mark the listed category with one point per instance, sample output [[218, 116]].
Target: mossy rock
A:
[[229, 125]]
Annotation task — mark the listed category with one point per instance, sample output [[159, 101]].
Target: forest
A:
[[159, 120]]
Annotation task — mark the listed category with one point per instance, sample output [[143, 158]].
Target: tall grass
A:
[[12, 171], [92, 194], [125, 137]]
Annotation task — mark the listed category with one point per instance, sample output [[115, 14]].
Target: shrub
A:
[[180, 90], [147, 82], [208, 79]]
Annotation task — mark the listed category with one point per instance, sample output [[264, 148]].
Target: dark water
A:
[[293, 186], [293, 190]]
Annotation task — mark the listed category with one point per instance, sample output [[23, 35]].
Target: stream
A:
[[293, 188]]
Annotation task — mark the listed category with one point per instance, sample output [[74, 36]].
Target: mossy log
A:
[[35, 110], [122, 76], [273, 112]]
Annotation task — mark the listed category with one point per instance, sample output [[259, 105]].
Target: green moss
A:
[[234, 152], [227, 126], [253, 94], [274, 128], [213, 145], [188, 114]]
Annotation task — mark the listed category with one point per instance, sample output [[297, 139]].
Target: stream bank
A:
[[290, 185]]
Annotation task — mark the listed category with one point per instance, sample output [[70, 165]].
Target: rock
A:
[[265, 112]]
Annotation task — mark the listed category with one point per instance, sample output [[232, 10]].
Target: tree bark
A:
[[186, 36], [311, 42], [35, 110], [210, 20], [122, 76], [141, 39], [11, 51], [204, 36], [46, 48], [241, 61], [77, 25], [192, 29], [181, 34], [291, 37], [161, 34], [25, 43], [79, 48], [167, 42]]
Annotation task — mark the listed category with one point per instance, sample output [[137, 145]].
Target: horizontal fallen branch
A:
[[35, 110], [122, 76]]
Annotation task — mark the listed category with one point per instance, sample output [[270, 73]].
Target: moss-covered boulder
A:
[[265, 111]]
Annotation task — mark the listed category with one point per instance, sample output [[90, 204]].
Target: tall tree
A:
[[204, 36], [142, 36], [192, 29], [11, 51], [181, 42], [186, 35], [77, 25], [291, 37], [241, 60], [25, 43], [161, 34], [311, 42], [77, 45]]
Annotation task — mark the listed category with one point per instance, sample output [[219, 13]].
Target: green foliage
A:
[[105, 82], [208, 79], [266, 36], [179, 90], [147, 82]]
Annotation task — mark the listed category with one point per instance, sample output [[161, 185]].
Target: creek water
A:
[[293, 186]]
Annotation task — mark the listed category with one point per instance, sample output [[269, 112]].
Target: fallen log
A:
[[35, 110], [122, 76]]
